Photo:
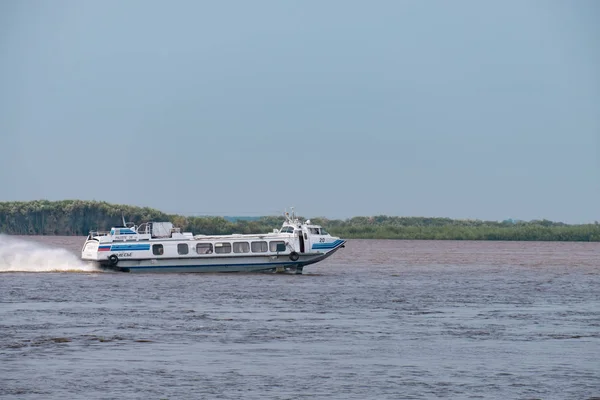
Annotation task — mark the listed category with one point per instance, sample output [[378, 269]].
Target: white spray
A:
[[17, 255]]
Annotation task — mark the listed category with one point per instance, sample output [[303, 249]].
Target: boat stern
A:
[[90, 250]]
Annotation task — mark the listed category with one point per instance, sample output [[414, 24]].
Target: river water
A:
[[380, 319]]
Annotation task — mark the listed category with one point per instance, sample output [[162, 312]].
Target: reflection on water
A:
[[379, 319]]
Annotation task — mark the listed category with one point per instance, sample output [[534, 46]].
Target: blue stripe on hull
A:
[[326, 246], [130, 247]]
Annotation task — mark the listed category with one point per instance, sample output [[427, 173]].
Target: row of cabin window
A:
[[222, 247]]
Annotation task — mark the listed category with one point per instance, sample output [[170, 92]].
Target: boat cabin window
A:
[[274, 243], [157, 249], [204, 248], [324, 232], [182, 248], [259, 247], [314, 231], [287, 229], [222, 248], [241, 247]]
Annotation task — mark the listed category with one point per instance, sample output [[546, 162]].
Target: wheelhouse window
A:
[[222, 247], [259, 247], [204, 248], [241, 247], [157, 249], [287, 229], [314, 231], [274, 243], [183, 248]]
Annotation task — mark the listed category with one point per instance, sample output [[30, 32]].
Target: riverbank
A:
[[77, 217]]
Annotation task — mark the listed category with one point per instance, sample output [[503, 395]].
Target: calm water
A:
[[379, 320]]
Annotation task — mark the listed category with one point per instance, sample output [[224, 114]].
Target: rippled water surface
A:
[[378, 320]]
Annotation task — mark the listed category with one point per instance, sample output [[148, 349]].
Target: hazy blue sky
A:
[[461, 109]]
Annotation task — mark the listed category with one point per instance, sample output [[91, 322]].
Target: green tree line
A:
[[77, 217]]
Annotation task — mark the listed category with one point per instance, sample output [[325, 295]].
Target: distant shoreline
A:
[[78, 217]]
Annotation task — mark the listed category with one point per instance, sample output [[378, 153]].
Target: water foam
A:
[[17, 255]]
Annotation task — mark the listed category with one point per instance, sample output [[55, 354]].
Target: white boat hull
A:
[[220, 264], [158, 247]]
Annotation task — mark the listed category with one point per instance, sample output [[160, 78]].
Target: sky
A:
[[465, 109]]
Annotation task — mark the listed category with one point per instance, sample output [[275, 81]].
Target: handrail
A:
[[99, 233]]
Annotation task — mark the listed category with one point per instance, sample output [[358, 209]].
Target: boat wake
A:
[[17, 255]]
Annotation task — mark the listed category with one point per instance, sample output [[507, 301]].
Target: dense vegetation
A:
[[76, 217], [383, 227]]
